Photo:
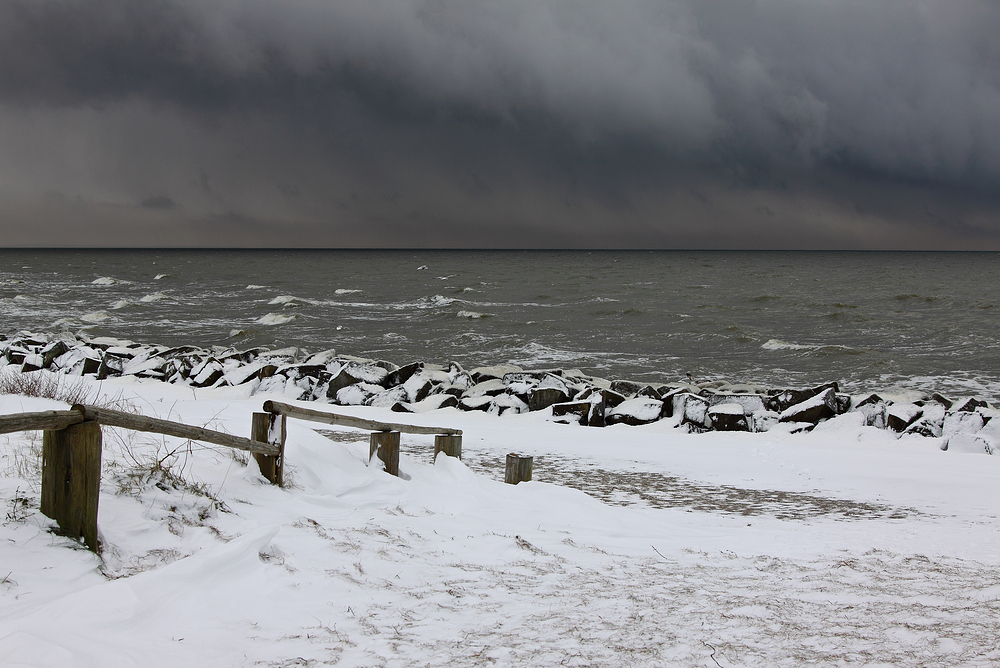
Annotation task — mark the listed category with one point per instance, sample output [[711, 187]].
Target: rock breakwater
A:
[[570, 395]]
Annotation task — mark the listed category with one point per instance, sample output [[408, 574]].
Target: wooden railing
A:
[[71, 450], [384, 441], [71, 457]]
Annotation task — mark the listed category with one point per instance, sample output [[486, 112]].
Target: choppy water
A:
[[870, 320]]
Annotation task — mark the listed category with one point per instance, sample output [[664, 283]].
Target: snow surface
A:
[[844, 546]]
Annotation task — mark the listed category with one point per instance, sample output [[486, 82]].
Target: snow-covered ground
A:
[[843, 546]]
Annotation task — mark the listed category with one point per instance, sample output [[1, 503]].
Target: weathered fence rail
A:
[[45, 420], [351, 421], [113, 418]]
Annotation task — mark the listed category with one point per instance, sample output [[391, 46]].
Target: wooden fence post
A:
[[518, 468], [71, 479], [386, 444], [270, 428], [450, 445]]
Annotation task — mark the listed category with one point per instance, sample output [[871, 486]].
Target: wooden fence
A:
[[269, 426], [71, 450]]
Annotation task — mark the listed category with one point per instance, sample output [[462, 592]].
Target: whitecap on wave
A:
[[255, 287], [441, 300], [155, 297], [474, 315], [96, 316], [275, 319], [345, 291], [160, 276], [104, 280], [241, 333], [778, 344], [291, 300], [121, 303]]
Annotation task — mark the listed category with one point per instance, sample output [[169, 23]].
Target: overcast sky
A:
[[513, 123]]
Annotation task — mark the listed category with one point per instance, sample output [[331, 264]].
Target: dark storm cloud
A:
[[703, 123]]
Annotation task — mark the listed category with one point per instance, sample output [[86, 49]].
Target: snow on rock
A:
[[819, 407], [955, 423], [567, 395], [640, 410], [728, 417], [901, 416], [970, 443]]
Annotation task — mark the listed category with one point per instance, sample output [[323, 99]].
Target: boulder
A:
[[612, 398], [594, 398], [343, 379], [387, 398], [357, 394], [924, 427], [454, 390], [572, 412], [373, 374], [781, 400], [971, 443], [874, 410], [765, 420], [521, 382], [51, 351], [814, 409], [207, 375], [388, 367], [626, 388], [750, 403], [32, 362], [728, 417], [480, 402], [151, 367], [962, 422], [900, 416], [542, 397], [692, 410], [506, 404], [649, 392], [941, 399], [417, 387], [402, 374], [293, 371], [968, 405], [431, 403], [496, 372], [112, 365], [637, 411], [491, 387]]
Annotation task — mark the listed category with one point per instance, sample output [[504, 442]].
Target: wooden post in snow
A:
[[386, 445], [518, 468], [270, 428], [449, 444], [71, 479]]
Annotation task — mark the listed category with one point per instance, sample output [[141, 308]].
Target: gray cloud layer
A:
[[774, 123]]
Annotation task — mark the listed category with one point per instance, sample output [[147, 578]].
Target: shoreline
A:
[[569, 395]]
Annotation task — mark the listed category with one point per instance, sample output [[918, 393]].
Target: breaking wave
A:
[[275, 319]]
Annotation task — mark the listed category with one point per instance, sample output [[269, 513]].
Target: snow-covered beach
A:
[[846, 545]]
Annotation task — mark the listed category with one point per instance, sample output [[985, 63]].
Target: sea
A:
[[873, 321]]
